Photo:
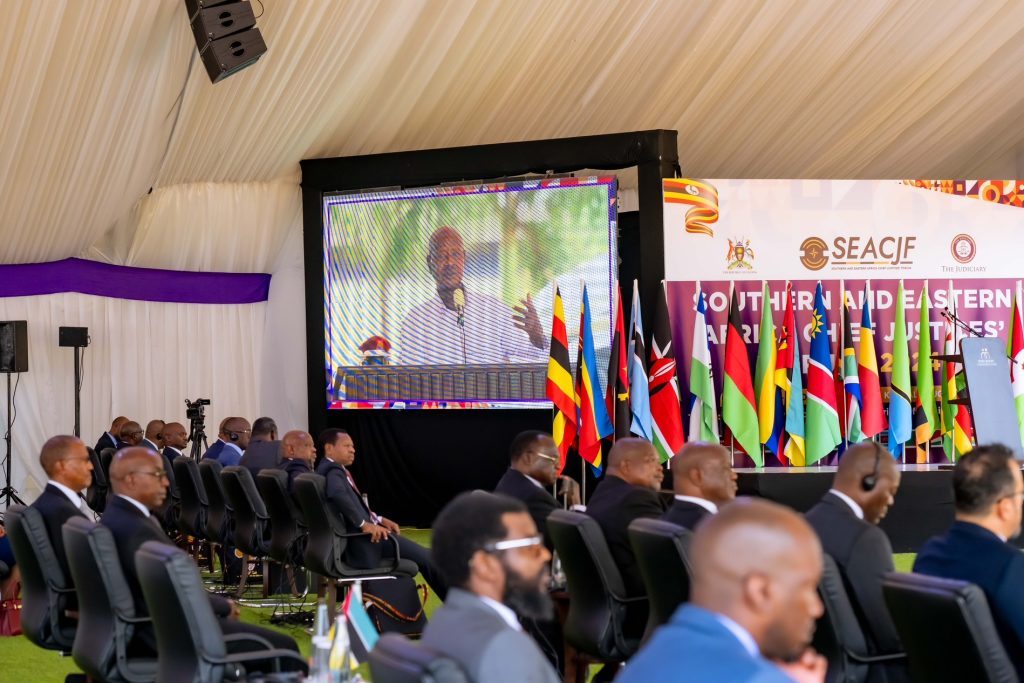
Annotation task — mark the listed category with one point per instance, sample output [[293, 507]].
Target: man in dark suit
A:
[[491, 555], [131, 435], [175, 438], [533, 470], [297, 454], [628, 491], [987, 494], [753, 605], [264, 450], [237, 433], [846, 522], [346, 501], [110, 439], [66, 462], [214, 450], [703, 480], [154, 438], [140, 485]]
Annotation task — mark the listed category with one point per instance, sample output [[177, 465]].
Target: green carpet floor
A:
[[22, 662]]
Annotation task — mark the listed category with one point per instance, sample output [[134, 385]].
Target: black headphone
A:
[[868, 482], [233, 436]]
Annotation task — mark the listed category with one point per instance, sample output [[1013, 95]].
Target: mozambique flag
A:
[[764, 370], [666, 415], [872, 415], [703, 405], [851, 380], [617, 398], [560, 388], [899, 395], [594, 423], [823, 434], [738, 405], [1015, 350], [926, 422], [956, 420]]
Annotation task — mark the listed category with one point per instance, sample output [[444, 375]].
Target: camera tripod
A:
[[8, 493]]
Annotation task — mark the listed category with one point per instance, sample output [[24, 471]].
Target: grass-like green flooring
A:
[[20, 660]]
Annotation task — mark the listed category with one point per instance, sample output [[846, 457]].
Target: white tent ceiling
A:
[[101, 104]]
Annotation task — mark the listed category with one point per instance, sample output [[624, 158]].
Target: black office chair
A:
[[191, 644], [947, 628], [251, 519], [838, 635], [396, 659], [44, 588], [194, 503], [325, 545], [596, 624], [106, 609], [662, 554], [219, 515], [98, 491], [288, 530]]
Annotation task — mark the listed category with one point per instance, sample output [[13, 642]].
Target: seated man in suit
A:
[[533, 469], [175, 438], [214, 450], [140, 485], [297, 455], [131, 435], [110, 438], [753, 604], [236, 432], [846, 522], [491, 555], [154, 438], [264, 450], [987, 494], [346, 501], [703, 479], [66, 462], [628, 491]]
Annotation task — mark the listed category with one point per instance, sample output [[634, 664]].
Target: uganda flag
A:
[[560, 387]]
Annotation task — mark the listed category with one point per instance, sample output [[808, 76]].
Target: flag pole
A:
[[841, 360]]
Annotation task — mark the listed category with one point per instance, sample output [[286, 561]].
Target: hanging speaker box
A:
[[14, 346]]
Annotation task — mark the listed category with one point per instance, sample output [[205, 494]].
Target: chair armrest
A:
[[876, 659], [135, 620], [251, 637], [276, 655]]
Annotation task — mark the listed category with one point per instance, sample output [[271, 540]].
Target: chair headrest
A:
[[31, 542]]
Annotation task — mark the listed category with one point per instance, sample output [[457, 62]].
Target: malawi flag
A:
[[560, 388], [594, 423], [900, 416], [823, 434], [739, 409], [872, 415], [666, 414], [703, 405], [617, 398]]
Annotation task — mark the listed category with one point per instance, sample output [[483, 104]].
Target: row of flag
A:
[[642, 396], [766, 409]]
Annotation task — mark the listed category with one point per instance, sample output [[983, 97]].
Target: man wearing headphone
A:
[[846, 521], [236, 439]]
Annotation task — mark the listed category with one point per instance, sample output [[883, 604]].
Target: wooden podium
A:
[[499, 382]]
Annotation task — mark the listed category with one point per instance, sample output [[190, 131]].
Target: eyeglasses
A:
[[159, 474], [550, 458], [528, 542]]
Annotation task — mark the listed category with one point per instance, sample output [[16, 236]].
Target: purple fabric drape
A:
[[124, 282]]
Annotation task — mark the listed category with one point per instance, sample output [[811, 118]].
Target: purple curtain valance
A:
[[125, 282]]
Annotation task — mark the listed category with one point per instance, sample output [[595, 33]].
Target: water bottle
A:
[[341, 653], [320, 669], [320, 623]]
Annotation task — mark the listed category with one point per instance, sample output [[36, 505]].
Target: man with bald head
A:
[[139, 482], [217, 446], [131, 434], [154, 438], [461, 326], [175, 438], [236, 433], [68, 468], [846, 521], [703, 480], [628, 491], [111, 438], [753, 603], [298, 453]]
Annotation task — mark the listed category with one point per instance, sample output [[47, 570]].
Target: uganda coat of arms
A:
[[739, 253]]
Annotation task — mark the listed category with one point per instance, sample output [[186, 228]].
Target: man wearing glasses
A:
[[140, 485], [532, 472], [987, 493], [496, 566]]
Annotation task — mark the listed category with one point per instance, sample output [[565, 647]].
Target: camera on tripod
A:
[[195, 411]]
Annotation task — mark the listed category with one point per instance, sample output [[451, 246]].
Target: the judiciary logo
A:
[[963, 248], [814, 253], [739, 253]]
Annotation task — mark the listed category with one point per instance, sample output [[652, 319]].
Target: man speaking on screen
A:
[[461, 326]]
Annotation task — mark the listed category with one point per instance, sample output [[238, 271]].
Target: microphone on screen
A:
[[459, 299]]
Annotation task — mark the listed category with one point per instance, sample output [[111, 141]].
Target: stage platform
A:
[[923, 507]]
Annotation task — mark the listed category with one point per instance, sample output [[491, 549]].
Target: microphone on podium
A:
[[459, 299]]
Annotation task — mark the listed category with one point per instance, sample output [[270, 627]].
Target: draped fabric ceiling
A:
[[116, 147]]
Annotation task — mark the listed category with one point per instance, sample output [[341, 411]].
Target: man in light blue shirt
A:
[[756, 567], [236, 435]]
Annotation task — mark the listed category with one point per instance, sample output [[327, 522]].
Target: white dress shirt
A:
[[849, 501], [703, 502], [73, 496], [503, 611], [742, 635], [142, 508]]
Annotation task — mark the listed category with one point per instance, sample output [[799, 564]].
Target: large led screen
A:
[[442, 297]]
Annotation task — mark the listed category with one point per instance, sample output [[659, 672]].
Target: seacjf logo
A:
[[851, 251], [963, 248]]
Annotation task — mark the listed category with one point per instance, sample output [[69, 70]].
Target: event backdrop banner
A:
[[860, 235]]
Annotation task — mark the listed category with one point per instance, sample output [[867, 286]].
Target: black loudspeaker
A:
[[14, 346], [73, 336], [225, 36]]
